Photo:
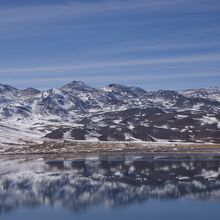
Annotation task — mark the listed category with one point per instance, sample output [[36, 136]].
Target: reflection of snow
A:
[[76, 184]]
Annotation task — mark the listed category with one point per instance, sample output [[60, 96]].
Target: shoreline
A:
[[94, 147]]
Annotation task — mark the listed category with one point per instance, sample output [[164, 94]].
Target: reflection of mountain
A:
[[78, 184]]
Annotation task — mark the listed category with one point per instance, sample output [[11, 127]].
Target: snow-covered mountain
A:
[[212, 93], [116, 112]]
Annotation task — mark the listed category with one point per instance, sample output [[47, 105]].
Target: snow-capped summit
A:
[[75, 86], [123, 93], [30, 91]]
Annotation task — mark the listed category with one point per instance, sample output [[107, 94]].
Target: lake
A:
[[110, 187]]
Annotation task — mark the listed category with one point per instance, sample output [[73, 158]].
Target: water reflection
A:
[[77, 184]]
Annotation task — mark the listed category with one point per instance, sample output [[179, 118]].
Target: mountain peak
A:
[[76, 85], [114, 88], [31, 91], [115, 85], [4, 88]]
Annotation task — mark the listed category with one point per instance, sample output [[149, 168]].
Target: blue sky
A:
[[154, 44]]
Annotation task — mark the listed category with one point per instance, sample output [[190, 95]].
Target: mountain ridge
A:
[[115, 112]]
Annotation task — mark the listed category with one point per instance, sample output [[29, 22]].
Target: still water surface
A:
[[122, 187]]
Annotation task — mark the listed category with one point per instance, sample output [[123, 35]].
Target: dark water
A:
[[125, 187]]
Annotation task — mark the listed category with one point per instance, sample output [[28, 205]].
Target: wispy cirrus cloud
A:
[[115, 64], [147, 81], [83, 37], [39, 13], [42, 20], [43, 13], [160, 47]]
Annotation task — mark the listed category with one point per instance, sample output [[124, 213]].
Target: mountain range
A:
[[116, 112]]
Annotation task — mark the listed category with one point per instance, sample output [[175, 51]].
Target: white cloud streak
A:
[[57, 12], [115, 64], [168, 46]]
